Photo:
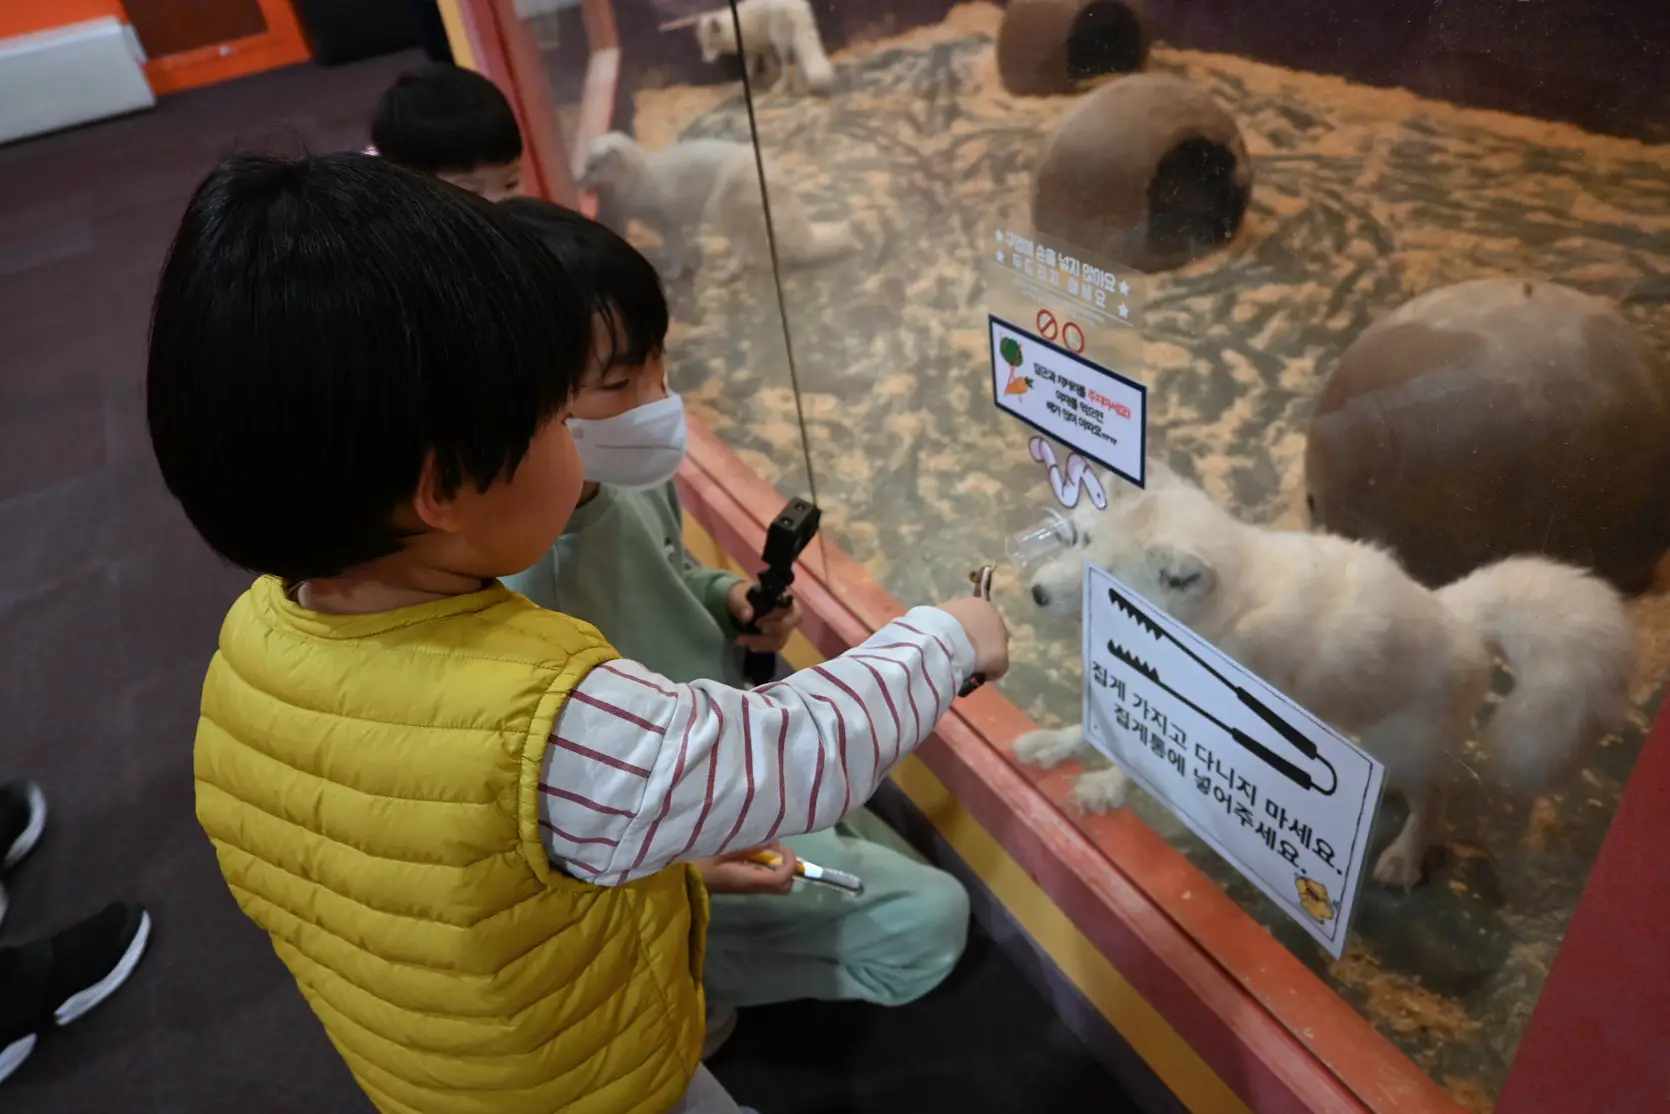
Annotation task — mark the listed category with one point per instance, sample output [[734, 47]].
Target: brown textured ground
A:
[[1364, 198]]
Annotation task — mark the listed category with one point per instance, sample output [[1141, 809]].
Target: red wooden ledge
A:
[[1600, 1037]]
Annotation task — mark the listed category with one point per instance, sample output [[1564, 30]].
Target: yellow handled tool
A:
[[812, 872]]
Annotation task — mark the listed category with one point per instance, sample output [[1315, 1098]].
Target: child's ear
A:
[[1183, 574], [436, 511]]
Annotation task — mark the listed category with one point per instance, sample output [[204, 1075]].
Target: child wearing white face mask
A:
[[621, 565], [630, 433]]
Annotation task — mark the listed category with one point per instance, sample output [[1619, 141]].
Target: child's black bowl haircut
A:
[[443, 119], [321, 327], [623, 285]]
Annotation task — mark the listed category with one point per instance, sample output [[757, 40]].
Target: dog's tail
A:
[[1571, 648], [814, 63]]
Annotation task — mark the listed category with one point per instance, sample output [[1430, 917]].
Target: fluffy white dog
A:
[[775, 33], [1340, 628], [710, 185]]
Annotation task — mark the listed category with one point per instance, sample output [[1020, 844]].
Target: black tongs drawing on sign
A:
[[1288, 769]]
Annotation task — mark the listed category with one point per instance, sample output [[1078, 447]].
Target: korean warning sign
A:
[[1097, 412], [1286, 799]]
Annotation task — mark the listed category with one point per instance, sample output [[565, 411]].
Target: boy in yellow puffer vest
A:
[[461, 817]]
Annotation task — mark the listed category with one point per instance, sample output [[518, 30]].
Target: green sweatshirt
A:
[[621, 566]]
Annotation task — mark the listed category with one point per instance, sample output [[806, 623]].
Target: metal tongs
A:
[[981, 578]]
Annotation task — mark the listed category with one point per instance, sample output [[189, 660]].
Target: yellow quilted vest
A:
[[370, 783]]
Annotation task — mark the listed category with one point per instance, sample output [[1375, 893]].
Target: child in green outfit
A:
[[622, 566]]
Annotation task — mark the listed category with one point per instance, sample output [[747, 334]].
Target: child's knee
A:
[[945, 917], [929, 940], [947, 921]]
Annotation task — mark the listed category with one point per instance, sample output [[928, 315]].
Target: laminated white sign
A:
[[1286, 799], [1097, 412]]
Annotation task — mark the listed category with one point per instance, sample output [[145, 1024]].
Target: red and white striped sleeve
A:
[[642, 772]]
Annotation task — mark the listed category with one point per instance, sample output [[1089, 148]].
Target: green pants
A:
[[889, 946]]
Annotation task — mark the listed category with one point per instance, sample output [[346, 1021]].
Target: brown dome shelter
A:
[[1148, 171], [1492, 418], [1046, 47]]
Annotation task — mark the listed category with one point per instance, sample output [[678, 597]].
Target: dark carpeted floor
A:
[[984, 1043], [110, 607]]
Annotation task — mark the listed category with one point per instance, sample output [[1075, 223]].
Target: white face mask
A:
[[639, 449]]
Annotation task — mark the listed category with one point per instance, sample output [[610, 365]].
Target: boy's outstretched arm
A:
[[641, 772]]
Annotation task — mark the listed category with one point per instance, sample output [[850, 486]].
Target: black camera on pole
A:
[[785, 539]]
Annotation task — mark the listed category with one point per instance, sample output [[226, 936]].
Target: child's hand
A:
[[775, 628], [733, 874], [986, 629]]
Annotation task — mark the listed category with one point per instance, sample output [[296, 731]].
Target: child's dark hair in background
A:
[[453, 123], [288, 416], [622, 287]]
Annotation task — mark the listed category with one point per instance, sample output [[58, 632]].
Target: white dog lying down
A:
[[1340, 628], [710, 184]]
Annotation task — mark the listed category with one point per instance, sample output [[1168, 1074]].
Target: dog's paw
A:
[[1398, 867], [1101, 790], [1048, 748]]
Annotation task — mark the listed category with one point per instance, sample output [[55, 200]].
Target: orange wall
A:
[[20, 17]]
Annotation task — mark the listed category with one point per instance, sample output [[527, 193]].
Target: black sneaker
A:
[[53, 982], [22, 819]]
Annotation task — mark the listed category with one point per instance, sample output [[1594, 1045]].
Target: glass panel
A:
[[1518, 403], [671, 166]]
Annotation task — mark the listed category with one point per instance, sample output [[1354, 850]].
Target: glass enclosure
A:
[[1265, 193], [618, 120]]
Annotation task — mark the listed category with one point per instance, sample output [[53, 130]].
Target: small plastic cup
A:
[[1043, 541]]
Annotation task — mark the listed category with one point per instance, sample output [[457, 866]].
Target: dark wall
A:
[[1601, 64]]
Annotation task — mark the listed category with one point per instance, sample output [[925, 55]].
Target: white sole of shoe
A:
[[13, 1055], [82, 1001], [25, 843]]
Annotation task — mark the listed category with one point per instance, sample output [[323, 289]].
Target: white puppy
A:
[[710, 184], [1340, 628], [782, 33]]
